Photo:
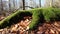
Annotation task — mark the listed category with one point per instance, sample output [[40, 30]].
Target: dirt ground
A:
[[21, 28]]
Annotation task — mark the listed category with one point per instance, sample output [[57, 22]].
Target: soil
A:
[[21, 28], [1, 18]]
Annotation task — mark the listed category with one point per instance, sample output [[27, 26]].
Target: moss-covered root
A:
[[35, 19]]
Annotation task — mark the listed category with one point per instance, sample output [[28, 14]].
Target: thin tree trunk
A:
[[9, 6], [1, 5], [23, 4], [14, 4], [52, 3], [40, 3]]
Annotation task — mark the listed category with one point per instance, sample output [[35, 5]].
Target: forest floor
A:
[[21, 27]]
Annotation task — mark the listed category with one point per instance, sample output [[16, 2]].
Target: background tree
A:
[[56, 4], [52, 3], [40, 3], [14, 5], [23, 4], [1, 5], [9, 6]]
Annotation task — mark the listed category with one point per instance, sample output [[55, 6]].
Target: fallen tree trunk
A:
[[13, 18], [38, 16]]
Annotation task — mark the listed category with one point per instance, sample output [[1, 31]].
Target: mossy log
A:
[[13, 18], [38, 16]]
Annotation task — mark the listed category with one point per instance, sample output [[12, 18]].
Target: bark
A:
[[23, 4], [1, 5]]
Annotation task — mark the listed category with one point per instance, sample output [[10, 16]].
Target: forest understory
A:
[[22, 26]]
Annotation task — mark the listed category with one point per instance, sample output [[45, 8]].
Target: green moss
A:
[[13, 18], [38, 15]]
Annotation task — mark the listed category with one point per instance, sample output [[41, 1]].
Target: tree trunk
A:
[[9, 6], [23, 4], [40, 3], [14, 4], [1, 5]]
